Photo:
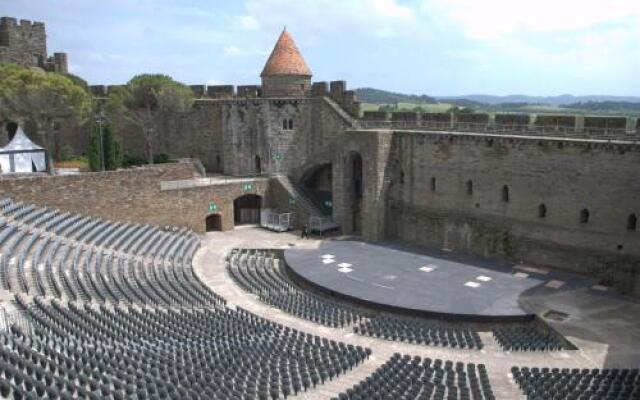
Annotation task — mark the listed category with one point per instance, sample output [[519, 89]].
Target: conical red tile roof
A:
[[285, 59]]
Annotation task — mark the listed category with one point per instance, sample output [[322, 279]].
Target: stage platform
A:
[[413, 284]]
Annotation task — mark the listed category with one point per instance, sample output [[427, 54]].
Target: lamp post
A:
[[101, 119]]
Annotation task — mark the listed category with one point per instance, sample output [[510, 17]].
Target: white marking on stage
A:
[[472, 284], [327, 256], [328, 261], [345, 270], [344, 265], [381, 285], [483, 278]]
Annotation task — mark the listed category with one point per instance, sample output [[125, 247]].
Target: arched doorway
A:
[[355, 190], [246, 209], [213, 222]]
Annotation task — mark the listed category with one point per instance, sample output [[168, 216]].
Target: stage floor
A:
[[412, 283]]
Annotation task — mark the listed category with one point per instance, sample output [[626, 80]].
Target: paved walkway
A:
[[594, 352]]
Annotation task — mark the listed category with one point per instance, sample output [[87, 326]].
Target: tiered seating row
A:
[[260, 272], [403, 377], [577, 384], [420, 331], [48, 253], [529, 338], [125, 352]]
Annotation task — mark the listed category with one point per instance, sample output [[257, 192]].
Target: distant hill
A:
[[607, 106], [377, 96], [564, 99]]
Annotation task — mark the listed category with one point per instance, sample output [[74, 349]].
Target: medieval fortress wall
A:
[[24, 42], [545, 201]]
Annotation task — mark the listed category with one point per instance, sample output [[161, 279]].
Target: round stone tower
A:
[[286, 74]]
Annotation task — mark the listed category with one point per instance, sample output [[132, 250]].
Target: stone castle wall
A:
[[447, 191], [245, 136], [286, 86], [137, 195], [24, 42]]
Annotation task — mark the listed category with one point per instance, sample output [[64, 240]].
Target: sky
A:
[[433, 47]]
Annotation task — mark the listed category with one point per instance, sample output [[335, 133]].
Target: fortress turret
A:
[[286, 74]]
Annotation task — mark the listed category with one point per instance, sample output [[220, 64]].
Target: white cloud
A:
[[235, 51], [328, 18], [493, 19], [247, 22]]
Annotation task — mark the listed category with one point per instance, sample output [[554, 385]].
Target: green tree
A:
[[145, 99], [44, 98], [95, 163], [110, 147]]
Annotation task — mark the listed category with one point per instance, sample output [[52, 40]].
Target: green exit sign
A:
[[292, 201], [248, 187], [213, 206]]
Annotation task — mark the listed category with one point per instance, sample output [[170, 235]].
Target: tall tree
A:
[[109, 148], [44, 98], [145, 99]]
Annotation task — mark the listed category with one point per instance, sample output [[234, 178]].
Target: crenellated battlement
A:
[[521, 124], [24, 42], [335, 90]]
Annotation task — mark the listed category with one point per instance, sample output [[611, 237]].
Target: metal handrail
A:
[[210, 181]]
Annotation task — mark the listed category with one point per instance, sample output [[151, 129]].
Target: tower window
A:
[[433, 184], [284, 124], [632, 222], [290, 123], [505, 193], [584, 216], [542, 211], [470, 187], [401, 177]]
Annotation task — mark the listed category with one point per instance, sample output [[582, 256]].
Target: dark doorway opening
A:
[[355, 162], [317, 185], [213, 222], [258, 164], [246, 209]]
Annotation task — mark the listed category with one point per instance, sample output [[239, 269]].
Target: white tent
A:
[[22, 155]]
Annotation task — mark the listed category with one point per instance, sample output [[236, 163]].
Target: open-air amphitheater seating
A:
[[406, 377], [262, 273], [116, 311], [578, 384], [49, 253]]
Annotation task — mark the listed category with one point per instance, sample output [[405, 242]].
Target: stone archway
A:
[[213, 222], [246, 209]]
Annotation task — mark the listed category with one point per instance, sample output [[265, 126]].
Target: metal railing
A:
[[507, 129], [210, 181]]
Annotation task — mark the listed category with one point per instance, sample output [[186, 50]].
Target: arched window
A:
[[542, 211], [505, 193], [284, 124], [584, 216], [433, 184], [290, 123], [632, 222], [401, 177], [470, 187]]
